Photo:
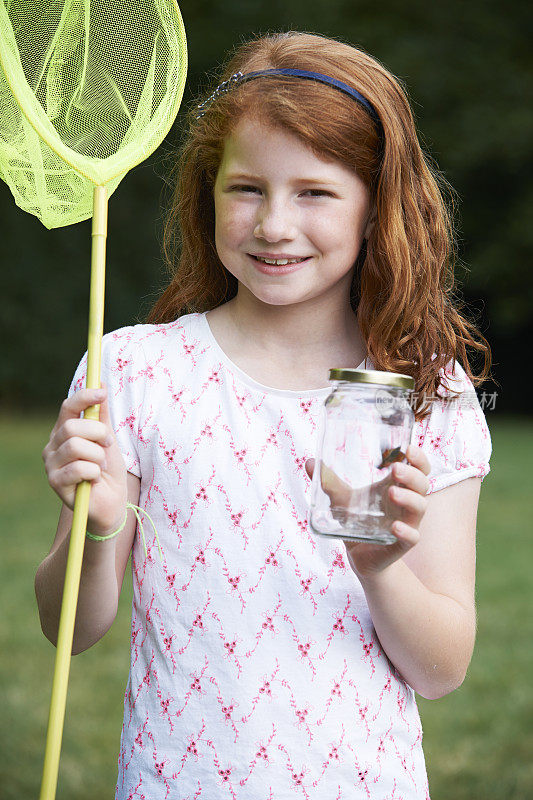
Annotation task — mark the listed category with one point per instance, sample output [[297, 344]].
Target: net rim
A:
[[40, 122]]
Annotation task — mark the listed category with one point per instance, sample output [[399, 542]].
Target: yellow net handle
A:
[[81, 509]]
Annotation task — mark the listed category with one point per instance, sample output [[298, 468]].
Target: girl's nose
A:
[[274, 222]]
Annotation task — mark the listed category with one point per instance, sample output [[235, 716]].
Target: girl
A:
[[267, 663]]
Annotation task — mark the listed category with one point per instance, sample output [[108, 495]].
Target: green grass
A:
[[29, 513], [478, 740]]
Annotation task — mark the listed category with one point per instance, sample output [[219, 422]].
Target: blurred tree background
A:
[[467, 67]]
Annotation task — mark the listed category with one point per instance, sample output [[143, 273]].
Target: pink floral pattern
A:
[[455, 436], [256, 672]]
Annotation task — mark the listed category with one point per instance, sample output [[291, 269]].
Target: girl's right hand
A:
[[87, 450]]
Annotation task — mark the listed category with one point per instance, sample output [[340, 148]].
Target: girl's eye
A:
[[319, 193], [313, 192]]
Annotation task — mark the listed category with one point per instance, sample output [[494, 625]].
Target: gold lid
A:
[[372, 376]]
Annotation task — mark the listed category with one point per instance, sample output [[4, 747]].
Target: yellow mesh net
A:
[[88, 89]]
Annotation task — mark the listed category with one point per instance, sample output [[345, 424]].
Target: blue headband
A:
[[239, 78]]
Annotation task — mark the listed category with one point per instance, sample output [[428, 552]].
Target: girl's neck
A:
[[300, 338]]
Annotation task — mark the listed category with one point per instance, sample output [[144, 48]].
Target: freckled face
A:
[[275, 198]]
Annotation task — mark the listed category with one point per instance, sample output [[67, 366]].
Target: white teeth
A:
[[281, 262]]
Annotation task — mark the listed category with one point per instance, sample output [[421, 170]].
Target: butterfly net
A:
[[88, 89]]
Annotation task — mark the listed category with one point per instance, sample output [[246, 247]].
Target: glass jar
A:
[[366, 426]]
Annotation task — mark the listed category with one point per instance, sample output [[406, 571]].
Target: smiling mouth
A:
[[280, 262]]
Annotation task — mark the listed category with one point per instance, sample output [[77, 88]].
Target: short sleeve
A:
[[455, 436], [123, 363]]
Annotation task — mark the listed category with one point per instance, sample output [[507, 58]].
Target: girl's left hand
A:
[[407, 486]]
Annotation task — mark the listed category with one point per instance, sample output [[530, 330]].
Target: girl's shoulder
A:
[[455, 435], [454, 380], [456, 402], [145, 340]]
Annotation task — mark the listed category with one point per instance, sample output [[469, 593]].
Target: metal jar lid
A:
[[372, 376]]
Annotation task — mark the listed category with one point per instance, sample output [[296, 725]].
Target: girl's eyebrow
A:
[[245, 176]]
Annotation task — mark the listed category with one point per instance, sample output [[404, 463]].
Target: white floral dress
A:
[[256, 672]]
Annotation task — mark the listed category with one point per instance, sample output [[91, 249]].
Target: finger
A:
[[411, 478], [72, 407], [310, 466], [105, 415], [406, 535], [75, 472], [77, 449], [89, 429], [409, 501], [339, 492], [105, 418], [417, 457]]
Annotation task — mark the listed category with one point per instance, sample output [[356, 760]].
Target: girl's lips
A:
[[271, 269]]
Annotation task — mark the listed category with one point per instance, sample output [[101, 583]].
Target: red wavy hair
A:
[[403, 286]]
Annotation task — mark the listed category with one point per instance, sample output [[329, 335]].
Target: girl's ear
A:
[[370, 223]]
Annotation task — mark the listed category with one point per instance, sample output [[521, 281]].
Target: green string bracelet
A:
[[137, 511]]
